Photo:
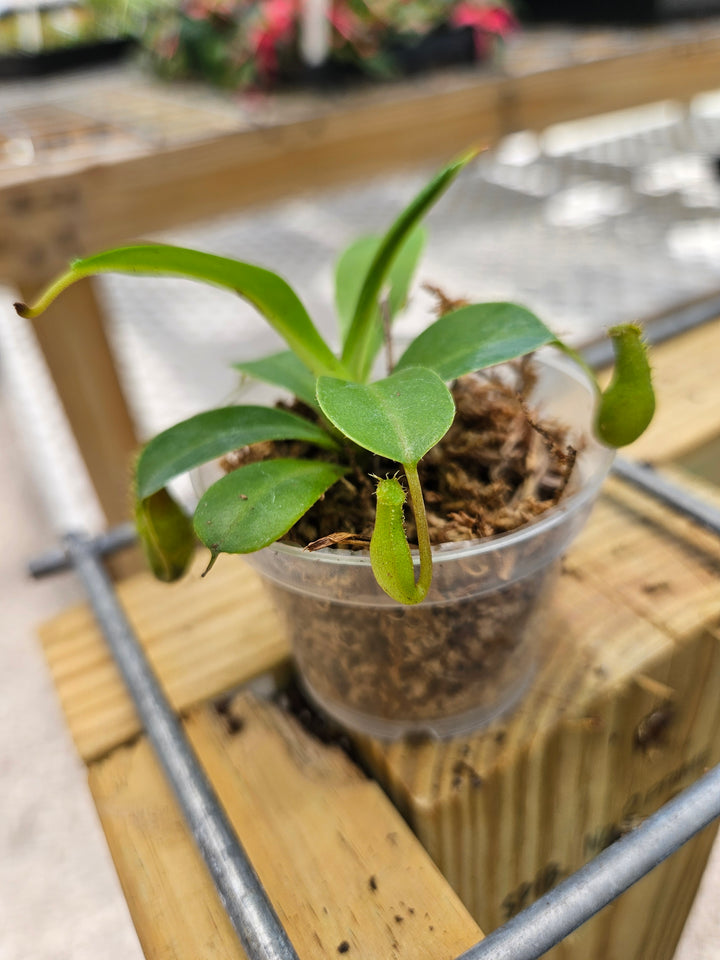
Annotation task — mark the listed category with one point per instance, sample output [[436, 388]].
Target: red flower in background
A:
[[484, 20], [277, 26], [247, 43], [345, 21]]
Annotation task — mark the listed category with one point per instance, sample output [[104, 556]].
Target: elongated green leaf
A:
[[272, 296], [283, 370], [166, 535], [357, 352], [211, 434], [400, 417], [255, 505], [352, 269], [628, 404], [476, 337], [403, 269]]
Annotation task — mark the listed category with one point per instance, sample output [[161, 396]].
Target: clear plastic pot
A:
[[464, 655]]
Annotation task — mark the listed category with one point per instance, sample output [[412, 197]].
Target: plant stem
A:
[[421, 527]]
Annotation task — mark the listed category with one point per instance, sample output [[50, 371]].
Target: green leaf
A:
[[357, 352], [400, 417], [166, 535], [628, 404], [403, 269], [352, 269], [255, 505], [284, 370], [476, 337], [268, 292], [350, 272], [211, 434]]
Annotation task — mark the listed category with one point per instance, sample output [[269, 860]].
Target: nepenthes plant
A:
[[399, 417]]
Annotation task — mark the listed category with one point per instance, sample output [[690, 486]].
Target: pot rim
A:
[[451, 552]]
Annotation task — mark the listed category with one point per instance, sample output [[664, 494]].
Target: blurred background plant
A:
[[256, 43], [28, 27], [240, 44], [51, 24]]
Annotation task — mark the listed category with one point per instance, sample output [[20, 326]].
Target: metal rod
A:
[[534, 931], [58, 559], [241, 892], [647, 479]]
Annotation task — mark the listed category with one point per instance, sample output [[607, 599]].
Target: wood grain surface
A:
[[345, 874]]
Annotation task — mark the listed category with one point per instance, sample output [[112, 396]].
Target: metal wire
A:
[[534, 931], [647, 479], [599, 353], [241, 892], [59, 559]]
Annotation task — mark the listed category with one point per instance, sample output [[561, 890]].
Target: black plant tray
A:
[[444, 47], [16, 65], [617, 11]]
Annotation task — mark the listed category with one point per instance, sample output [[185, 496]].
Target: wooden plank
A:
[[572, 92], [46, 227], [363, 138], [203, 637], [647, 921], [72, 337], [44, 222], [657, 562], [341, 867], [509, 812]]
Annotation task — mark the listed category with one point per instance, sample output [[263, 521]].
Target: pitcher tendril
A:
[[389, 549], [628, 405]]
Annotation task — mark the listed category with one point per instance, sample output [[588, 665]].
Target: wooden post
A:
[[47, 220], [72, 337]]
